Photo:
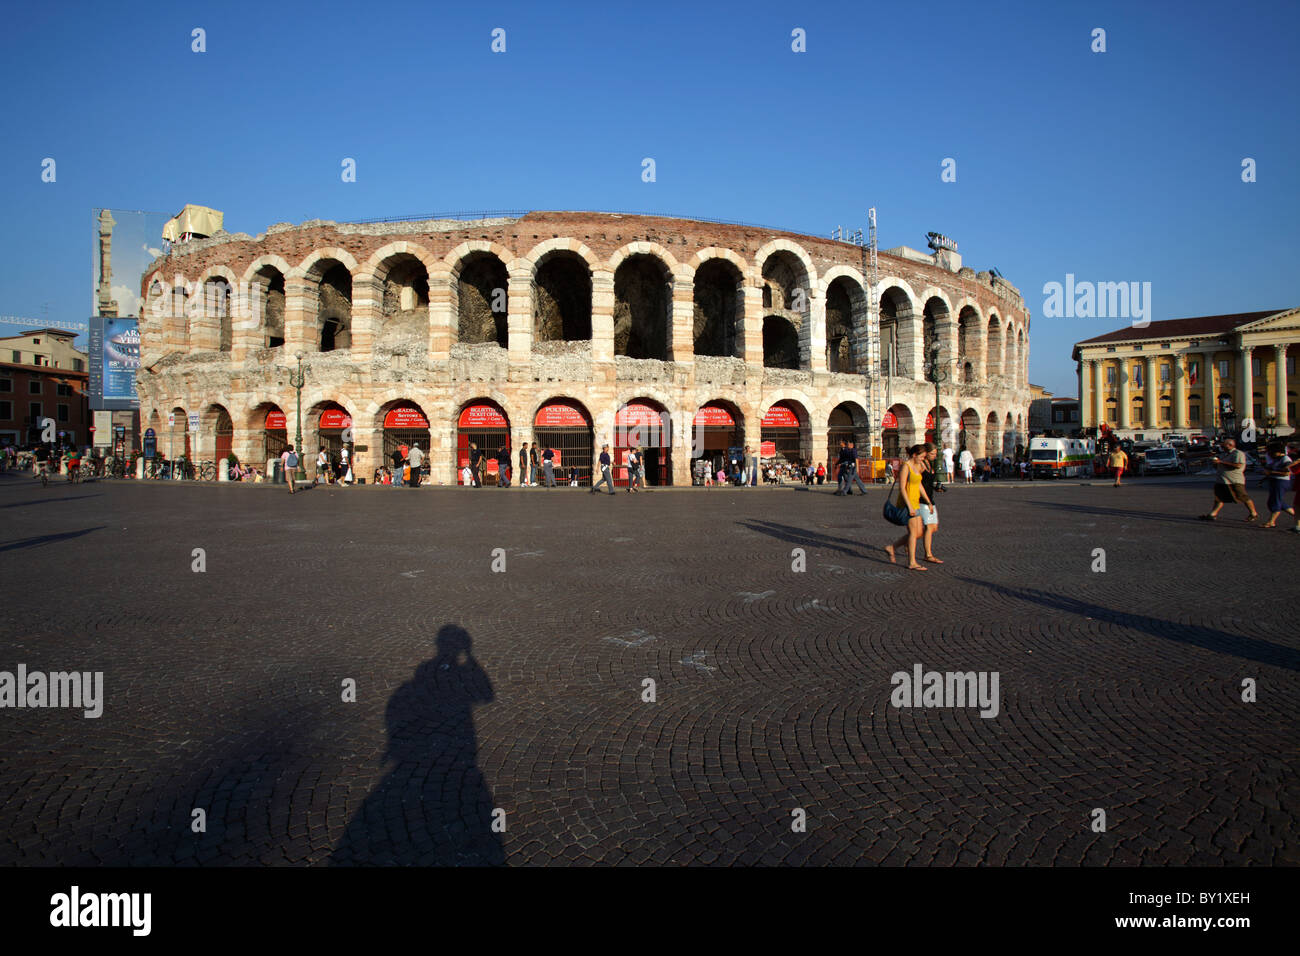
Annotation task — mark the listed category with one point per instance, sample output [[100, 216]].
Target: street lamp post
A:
[[936, 374], [297, 381]]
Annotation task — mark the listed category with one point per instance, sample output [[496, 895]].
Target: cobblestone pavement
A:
[[523, 690]]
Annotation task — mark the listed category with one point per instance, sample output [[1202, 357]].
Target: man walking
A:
[[399, 460], [842, 469], [503, 465], [416, 458], [289, 464], [523, 465], [947, 465], [605, 478], [1230, 484], [967, 462], [548, 466], [476, 456], [853, 477], [1119, 461]]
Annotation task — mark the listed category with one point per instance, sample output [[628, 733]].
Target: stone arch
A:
[[642, 247], [898, 439], [992, 436], [217, 285], [936, 317], [717, 252], [311, 268], [775, 248], [718, 327], [846, 320], [561, 290], [480, 298], [993, 345], [969, 326], [1021, 363], [643, 304], [899, 329], [969, 435], [265, 282], [1009, 350], [1008, 435]]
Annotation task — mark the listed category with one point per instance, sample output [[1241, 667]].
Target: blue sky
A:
[[1115, 166]]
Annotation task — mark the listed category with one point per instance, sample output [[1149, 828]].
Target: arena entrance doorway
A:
[[564, 425], [405, 425], [716, 433], [644, 422], [485, 424]]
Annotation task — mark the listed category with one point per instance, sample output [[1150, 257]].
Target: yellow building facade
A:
[[1192, 376]]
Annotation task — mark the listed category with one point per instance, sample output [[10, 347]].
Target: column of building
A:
[[1279, 378], [1123, 393], [1151, 400], [1179, 389], [1246, 408]]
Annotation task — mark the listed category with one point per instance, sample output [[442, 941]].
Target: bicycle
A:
[[43, 474], [207, 471]]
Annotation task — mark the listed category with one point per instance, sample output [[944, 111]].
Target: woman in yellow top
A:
[[911, 493]]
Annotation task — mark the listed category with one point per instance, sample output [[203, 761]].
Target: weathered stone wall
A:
[[574, 276]]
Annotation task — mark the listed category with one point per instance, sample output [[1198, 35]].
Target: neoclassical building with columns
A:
[[572, 329], [1192, 376]]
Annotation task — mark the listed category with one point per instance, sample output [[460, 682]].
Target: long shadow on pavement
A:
[[1119, 513], [812, 539], [41, 501], [46, 539], [1211, 639], [434, 807]]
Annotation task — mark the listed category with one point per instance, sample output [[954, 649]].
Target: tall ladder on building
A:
[[870, 267]]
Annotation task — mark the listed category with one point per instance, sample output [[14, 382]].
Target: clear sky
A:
[[1115, 166]]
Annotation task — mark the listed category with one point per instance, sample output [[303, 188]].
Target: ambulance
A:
[[1061, 457]]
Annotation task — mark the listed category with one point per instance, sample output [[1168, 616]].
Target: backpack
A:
[[292, 460]]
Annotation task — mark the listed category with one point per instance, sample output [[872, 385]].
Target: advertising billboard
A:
[[114, 361]]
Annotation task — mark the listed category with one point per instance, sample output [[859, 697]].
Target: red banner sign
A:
[[405, 417], [335, 418], [276, 422], [635, 414], [483, 416], [560, 415], [889, 421], [714, 415], [767, 449], [780, 416], [929, 420]]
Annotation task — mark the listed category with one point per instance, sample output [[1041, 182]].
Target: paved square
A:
[[521, 691]]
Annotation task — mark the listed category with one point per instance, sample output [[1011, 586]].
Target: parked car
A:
[[1162, 460]]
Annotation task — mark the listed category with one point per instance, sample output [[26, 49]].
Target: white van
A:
[[1061, 457]]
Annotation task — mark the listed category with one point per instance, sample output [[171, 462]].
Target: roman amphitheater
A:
[[572, 329]]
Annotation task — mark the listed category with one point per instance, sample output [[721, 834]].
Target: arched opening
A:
[[786, 293], [178, 445], [642, 307], [150, 443], [848, 421], [482, 306], [934, 328], [483, 424], [405, 426], [967, 330], [1020, 357], [1008, 436], [562, 299], [1009, 356], [719, 308], [644, 423], [897, 431], [992, 437], [334, 305], [223, 433], [274, 426], [993, 360], [332, 424], [780, 343], [404, 303], [939, 428], [216, 305], [842, 316], [268, 291], [896, 333], [564, 426], [718, 428], [785, 434], [969, 436]]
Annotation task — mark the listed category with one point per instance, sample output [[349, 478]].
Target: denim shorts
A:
[[929, 516]]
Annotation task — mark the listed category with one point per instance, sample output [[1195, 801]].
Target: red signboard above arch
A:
[[639, 413], [714, 415], [780, 416], [276, 422], [482, 416], [335, 418], [561, 414], [889, 421], [405, 416]]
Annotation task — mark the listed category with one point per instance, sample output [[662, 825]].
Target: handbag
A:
[[894, 514]]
